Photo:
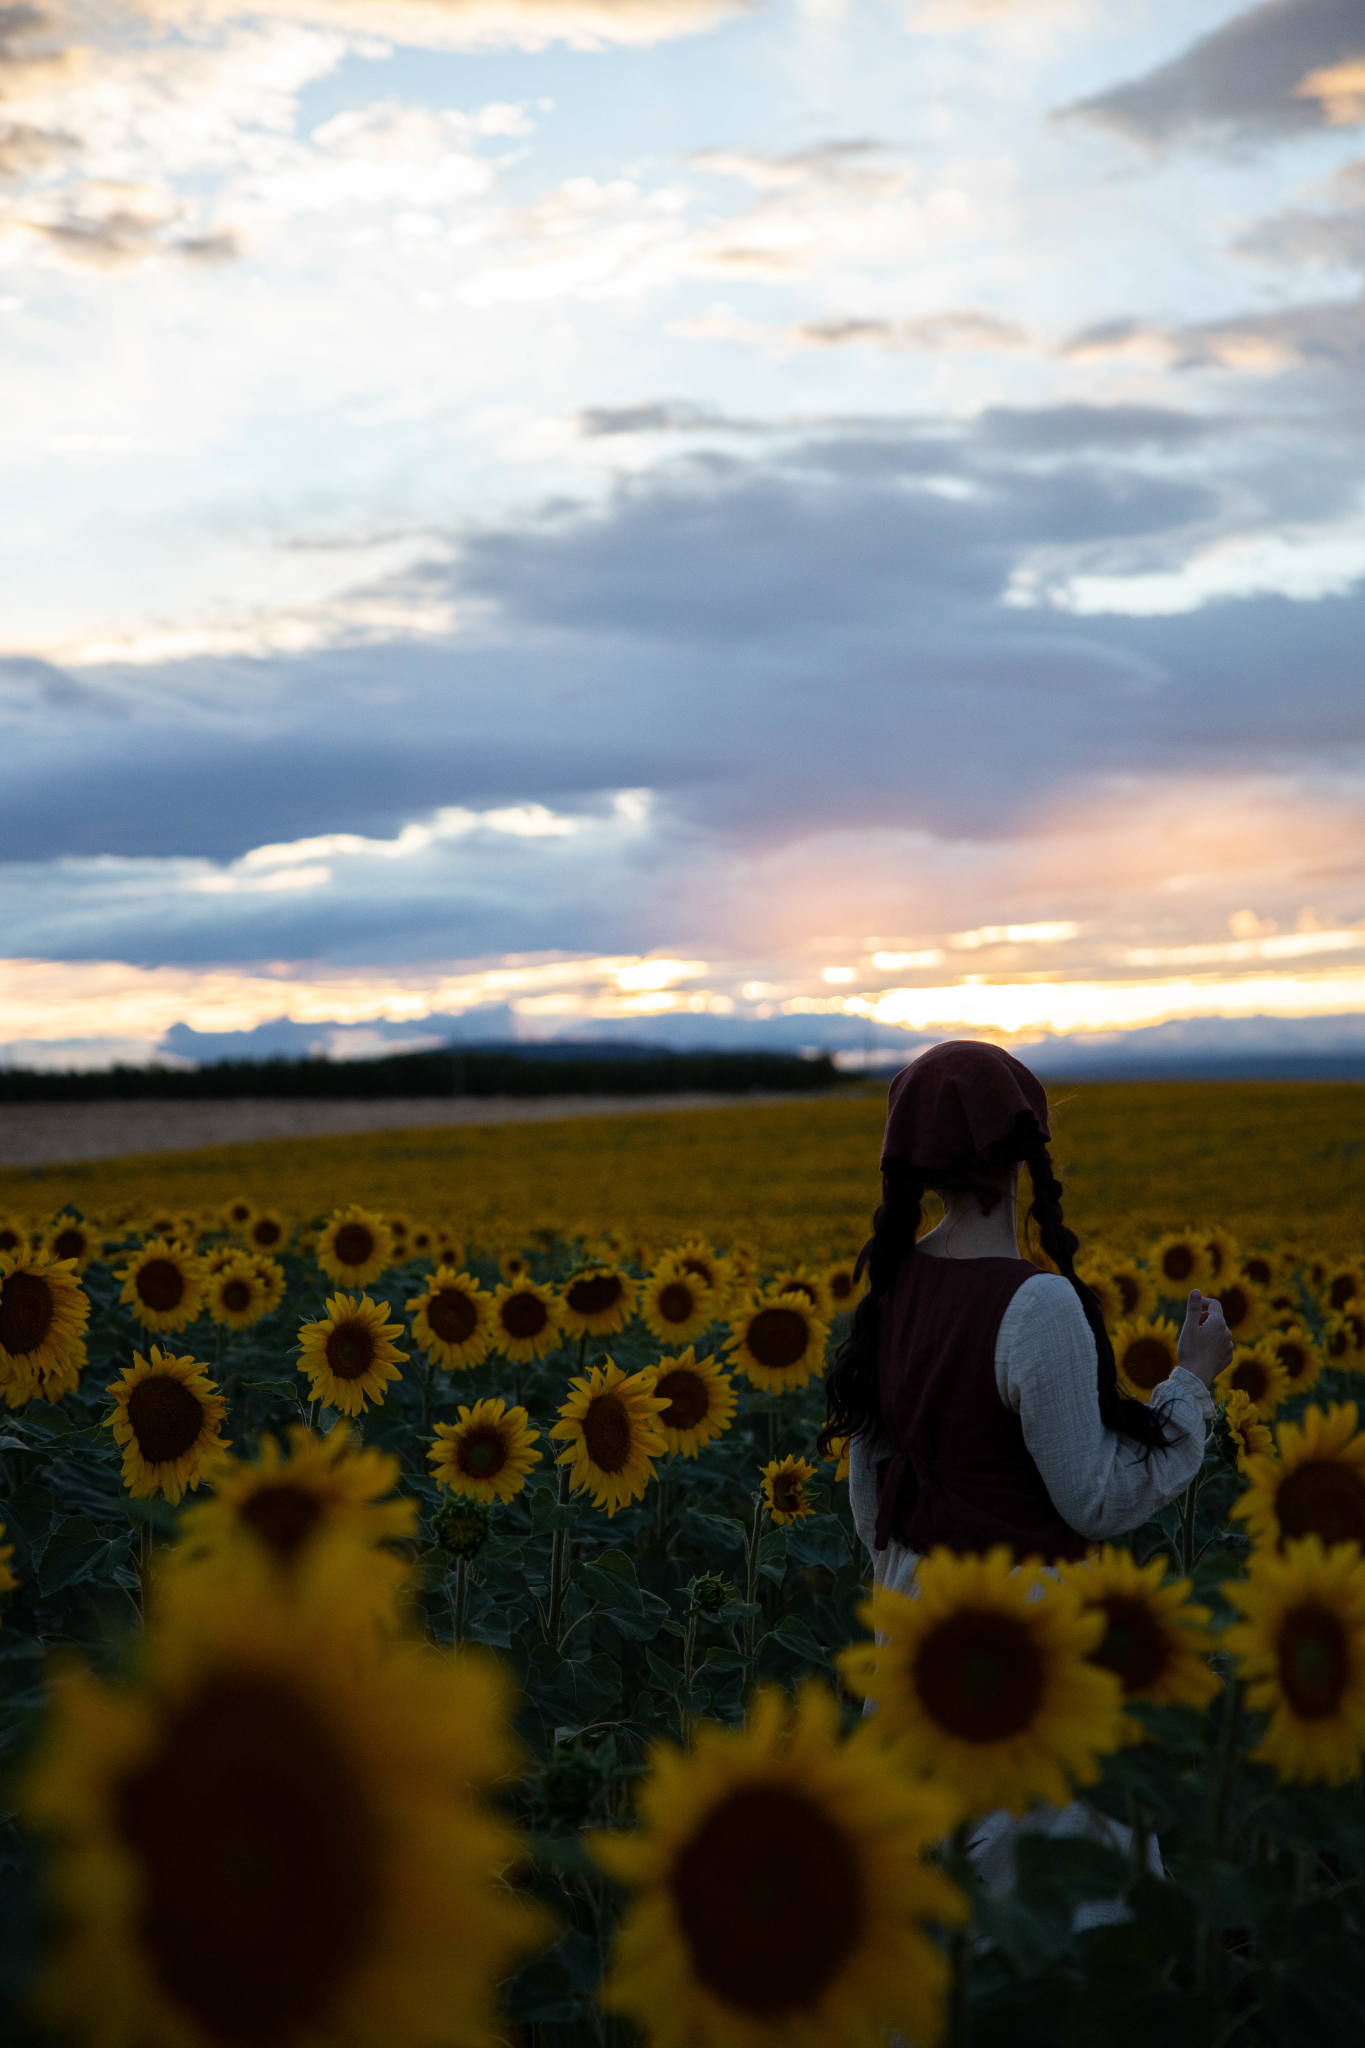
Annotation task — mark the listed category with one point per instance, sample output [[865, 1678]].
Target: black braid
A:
[[1122, 1414], [852, 1393]]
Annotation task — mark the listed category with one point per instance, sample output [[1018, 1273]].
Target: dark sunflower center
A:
[[1236, 1306], [607, 1433], [452, 1316], [1251, 1376], [482, 1454], [256, 1918], [166, 1418], [353, 1244], [350, 1351], [980, 1675], [524, 1315], [1147, 1362], [1128, 1291], [282, 1515], [236, 1296], [1322, 1498], [771, 1900], [1134, 1645], [841, 1285], [700, 1270], [160, 1286], [1177, 1262], [1342, 1290], [787, 1493], [266, 1232], [70, 1243], [1293, 1356], [677, 1302], [1339, 1343], [1315, 1660], [593, 1294], [239, 1213], [27, 1311], [686, 1395], [9, 1239], [778, 1337], [1257, 1269]]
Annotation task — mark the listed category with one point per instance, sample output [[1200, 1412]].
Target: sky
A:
[[817, 523]]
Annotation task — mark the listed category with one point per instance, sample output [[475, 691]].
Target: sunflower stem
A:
[[661, 1512], [1187, 1508], [752, 1543], [427, 1378], [559, 1566], [314, 1410], [461, 1597]]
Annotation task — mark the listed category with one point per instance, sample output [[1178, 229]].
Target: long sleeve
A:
[[1100, 1483]]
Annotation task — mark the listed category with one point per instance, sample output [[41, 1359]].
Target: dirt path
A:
[[47, 1134]]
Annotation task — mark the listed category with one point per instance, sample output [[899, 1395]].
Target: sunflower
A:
[[43, 1314], [699, 1402], [235, 1295], [1146, 1354], [1247, 1434], [781, 1889], [1302, 1646], [1344, 1287], [1343, 1339], [986, 1679], [1259, 1374], [610, 1423], [779, 1341], [784, 1490], [514, 1265], [676, 1307], [238, 1215], [167, 1416], [354, 1246], [703, 1264], [810, 1287], [174, 1225], [1293, 1345], [1245, 1309], [69, 1239], [1106, 1292], [453, 1321], [270, 1273], [845, 1285], [598, 1302], [289, 1502], [1136, 1291], [163, 1285], [400, 1225], [487, 1453], [258, 1776], [1223, 1256], [527, 1320], [422, 1241], [13, 1235], [1262, 1269], [837, 1455], [349, 1355], [1156, 1641], [267, 1232], [1315, 1486], [1180, 1261]]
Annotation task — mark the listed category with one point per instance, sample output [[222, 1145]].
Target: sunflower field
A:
[[415, 1637]]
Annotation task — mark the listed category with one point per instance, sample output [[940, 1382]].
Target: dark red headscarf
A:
[[955, 1101]]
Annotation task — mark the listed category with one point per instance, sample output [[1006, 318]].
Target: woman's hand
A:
[[1205, 1345]]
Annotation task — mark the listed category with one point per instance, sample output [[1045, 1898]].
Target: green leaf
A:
[[1031, 1941], [708, 1532], [1068, 1869], [71, 1549], [820, 1542], [772, 1555], [667, 1676], [1322, 2000], [794, 1635], [577, 1694]]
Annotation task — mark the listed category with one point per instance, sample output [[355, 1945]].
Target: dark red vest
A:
[[959, 1472]]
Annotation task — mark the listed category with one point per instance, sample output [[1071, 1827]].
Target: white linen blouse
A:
[[1100, 1483]]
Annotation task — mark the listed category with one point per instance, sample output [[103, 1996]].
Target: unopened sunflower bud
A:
[[710, 1594], [463, 1527]]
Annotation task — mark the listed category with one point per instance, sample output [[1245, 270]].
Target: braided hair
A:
[[852, 1390]]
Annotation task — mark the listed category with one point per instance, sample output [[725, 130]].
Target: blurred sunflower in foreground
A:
[[1314, 1486], [268, 1838], [1301, 1644], [1156, 1640], [781, 1892]]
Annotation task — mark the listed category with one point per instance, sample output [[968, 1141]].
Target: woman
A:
[[979, 1392]]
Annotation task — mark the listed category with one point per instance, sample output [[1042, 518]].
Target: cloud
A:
[[1333, 235], [1324, 335], [480, 24], [958, 332], [1280, 69]]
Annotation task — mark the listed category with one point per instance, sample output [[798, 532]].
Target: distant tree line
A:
[[454, 1071]]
